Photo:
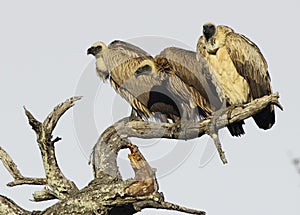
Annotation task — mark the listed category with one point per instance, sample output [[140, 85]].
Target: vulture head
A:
[[209, 30], [96, 48]]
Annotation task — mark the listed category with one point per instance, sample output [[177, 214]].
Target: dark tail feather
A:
[[236, 129], [266, 118]]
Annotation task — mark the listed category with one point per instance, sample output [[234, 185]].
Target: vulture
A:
[[118, 63], [239, 70], [193, 74], [148, 84], [152, 85], [197, 74]]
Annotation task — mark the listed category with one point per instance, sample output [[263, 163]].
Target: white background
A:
[[43, 57]]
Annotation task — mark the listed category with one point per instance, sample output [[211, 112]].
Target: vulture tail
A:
[[236, 129], [265, 119]]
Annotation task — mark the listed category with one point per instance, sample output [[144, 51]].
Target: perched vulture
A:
[[164, 84], [120, 62], [197, 75], [239, 70], [193, 74], [185, 79]]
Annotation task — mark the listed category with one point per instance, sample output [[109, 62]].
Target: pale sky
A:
[[44, 61]]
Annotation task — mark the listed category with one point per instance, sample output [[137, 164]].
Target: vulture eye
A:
[[99, 48]]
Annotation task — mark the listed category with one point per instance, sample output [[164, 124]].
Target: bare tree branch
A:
[[28, 181], [166, 206], [107, 149], [114, 196], [218, 145], [149, 130], [44, 195], [12, 168], [59, 184], [9, 164], [9, 207], [50, 122], [108, 194]]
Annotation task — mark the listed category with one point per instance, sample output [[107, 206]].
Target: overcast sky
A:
[[43, 62]]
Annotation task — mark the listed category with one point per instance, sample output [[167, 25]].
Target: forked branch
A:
[[107, 194], [12, 168], [60, 186]]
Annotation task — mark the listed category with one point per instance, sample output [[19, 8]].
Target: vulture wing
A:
[[251, 64], [193, 73]]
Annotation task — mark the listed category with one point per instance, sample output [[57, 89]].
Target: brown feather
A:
[[223, 73], [251, 64], [141, 109], [232, 55], [194, 74], [123, 60]]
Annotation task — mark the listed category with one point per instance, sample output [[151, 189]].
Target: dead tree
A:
[[108, 193]]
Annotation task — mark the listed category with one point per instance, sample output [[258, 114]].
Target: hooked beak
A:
[[91, 51]]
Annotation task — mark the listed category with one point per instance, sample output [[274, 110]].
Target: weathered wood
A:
[[60, 186], [9, 207], [12, 168], [108, 194], [187, 130]]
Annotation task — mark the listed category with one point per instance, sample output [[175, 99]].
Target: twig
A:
[[50, 122], [12, 168], [218, 145], [166, 206], [170, 206], [44, 195]]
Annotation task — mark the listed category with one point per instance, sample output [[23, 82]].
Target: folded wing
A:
[[251, 64]]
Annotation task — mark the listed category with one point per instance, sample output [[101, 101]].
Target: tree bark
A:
[[108, 193], [184, 130]]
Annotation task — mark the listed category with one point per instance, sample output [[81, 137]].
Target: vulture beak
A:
[[91, 51], [208, 30], [205, 29]]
